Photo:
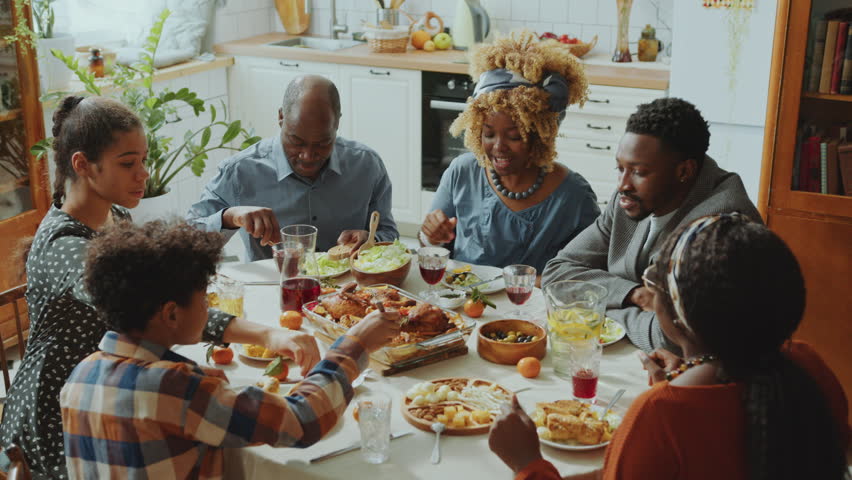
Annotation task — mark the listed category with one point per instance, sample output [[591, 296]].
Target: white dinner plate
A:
[[573, 446], [330, 274], [240, 348], [612, 332], [484, 272]]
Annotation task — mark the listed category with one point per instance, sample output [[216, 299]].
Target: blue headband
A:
[[501, 79]]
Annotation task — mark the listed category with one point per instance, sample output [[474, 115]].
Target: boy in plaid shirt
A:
[[136, 409]]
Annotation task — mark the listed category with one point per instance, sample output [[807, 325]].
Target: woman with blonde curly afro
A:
[[508, 201]]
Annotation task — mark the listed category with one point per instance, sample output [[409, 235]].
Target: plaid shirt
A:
[[139, 410]]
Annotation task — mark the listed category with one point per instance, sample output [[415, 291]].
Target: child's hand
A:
[[299, 346], [214, 372]]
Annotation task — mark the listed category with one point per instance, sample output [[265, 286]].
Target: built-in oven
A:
[[444, 97]]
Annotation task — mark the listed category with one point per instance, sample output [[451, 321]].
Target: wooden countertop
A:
[[449, 61]]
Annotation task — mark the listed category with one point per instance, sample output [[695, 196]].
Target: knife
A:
[[498, 277], [354, 446]]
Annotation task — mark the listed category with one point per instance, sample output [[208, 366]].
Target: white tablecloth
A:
[[465, 457]]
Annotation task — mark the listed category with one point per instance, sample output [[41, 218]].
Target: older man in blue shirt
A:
[[307, 176]]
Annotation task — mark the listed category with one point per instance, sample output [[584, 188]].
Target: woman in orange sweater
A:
[[747, 403]]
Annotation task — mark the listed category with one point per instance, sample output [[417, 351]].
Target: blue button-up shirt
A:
[[353, 183]]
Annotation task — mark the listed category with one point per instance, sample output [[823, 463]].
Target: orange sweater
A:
[[694, 432]]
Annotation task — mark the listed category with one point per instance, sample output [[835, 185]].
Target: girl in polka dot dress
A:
[[100, 147]]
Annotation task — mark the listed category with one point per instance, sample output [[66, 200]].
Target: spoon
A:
[[371, 238], [611, 403], [437, 427]]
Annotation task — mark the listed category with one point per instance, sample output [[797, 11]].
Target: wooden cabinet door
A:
[[257, 88], [383, 106], [24, 192]]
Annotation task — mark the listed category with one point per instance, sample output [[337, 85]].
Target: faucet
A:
[[336, 29]]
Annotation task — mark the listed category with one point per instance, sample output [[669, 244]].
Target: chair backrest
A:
[[13, 297], [18, 468]]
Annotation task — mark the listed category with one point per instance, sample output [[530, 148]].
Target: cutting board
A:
[[293, 16]]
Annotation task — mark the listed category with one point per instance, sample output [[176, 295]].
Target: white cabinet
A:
[[257, 85], [588, 137], [382, 110]]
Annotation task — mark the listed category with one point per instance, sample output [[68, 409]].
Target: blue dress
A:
[[490, 233]]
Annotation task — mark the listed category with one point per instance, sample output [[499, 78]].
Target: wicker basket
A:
[[393, 40], [580, 49]]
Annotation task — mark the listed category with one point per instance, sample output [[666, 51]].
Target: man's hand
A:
[[642, 298], [513, 437], [658, 363], [376, 329], [259, 222], [438, 228], [299, 346], [350, 237]]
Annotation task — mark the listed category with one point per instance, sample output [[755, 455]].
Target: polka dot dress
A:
[[64, 329]]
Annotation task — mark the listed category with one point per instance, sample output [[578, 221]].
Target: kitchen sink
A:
[[328, 44]]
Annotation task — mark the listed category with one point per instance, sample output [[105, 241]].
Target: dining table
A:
[[463, 457]]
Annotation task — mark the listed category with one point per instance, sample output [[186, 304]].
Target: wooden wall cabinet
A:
[[817, 227]]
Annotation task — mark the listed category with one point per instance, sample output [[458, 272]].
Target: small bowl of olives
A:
[[507, 341]]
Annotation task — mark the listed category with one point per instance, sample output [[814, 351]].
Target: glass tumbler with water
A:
[[374, 414]]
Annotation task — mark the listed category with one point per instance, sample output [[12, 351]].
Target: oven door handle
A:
[[444, 105]]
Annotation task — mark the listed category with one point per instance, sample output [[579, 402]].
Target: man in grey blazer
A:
[[665, 180]]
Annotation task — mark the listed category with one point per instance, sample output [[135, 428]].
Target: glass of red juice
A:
[[580, 360], [296, 288], [432, 262], [520, 281]]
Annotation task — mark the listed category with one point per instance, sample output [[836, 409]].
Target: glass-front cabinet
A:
[[24, 192]]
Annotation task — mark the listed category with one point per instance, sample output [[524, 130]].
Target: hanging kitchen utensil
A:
[[295, 15]]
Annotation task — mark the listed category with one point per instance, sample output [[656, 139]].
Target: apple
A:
[[547, 35], [563, 38], [443, 41], [573, 41]]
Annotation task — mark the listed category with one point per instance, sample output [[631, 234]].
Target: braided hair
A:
[[86, 125], [743, 296]]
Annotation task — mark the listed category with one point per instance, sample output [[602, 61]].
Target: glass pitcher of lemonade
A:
[[575, 310]]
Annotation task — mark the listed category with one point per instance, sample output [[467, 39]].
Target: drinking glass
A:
[[374, 413], [296, 289], [432, 262], [580, 361], [575, 309], [307, 236], [520, 280], [231, 293]]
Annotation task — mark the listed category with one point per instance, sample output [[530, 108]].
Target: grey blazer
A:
[[607, 251]]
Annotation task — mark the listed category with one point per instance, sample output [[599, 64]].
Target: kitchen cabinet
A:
[[816, 226], [383, 110], [256, 88], [588, 137]]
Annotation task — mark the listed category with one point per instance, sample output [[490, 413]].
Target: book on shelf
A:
[[839, 53], [844, 161], [816, 57], [846, 76], [828, 168], [828, 56], [809, 174]]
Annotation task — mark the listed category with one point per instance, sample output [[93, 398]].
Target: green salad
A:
[[327, 266], [383, 258], [611, 331]]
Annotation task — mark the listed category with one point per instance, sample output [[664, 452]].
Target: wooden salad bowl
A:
[[509, 353], [393, 277]]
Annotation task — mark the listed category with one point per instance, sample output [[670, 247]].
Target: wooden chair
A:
[[12, 297], [18, 468]]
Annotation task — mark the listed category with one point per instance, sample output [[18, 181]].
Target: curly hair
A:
[[677, 123], [743, 295], [528, 107], [132, 271]]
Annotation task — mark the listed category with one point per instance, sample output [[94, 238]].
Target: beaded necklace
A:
[[689, 364], [517, 195]]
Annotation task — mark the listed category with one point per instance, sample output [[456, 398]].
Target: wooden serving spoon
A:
[[371, 238]]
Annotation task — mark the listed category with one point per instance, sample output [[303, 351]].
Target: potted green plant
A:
[[134, 86], [52, 73]]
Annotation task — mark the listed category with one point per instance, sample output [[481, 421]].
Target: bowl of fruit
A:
[[578, 48], [507, 341]]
